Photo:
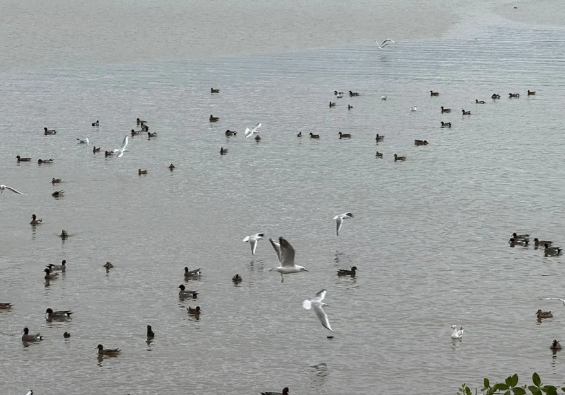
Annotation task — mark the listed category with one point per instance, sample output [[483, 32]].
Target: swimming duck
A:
[[58, 193], [346, 272], [299, 134], [34, 220], [49, 275], [212, 90], [95, 150], [31, 338], [553, 251], [520, 237], [336, 93], [543, 314], [64, 235], [55, 181], [379, 138], [344, 135], [171, 167], [144, 128], [140, 172], [538, 242], [479, 101], [150, 333], [20, 159], [109, 352], [194, 311], [49, 132], [5, 306], [96, 124], [192, 273], [44, 161], [522, 242], [555, 346], [108, 266], [512, 95], [237, 278], [383, 97], [339, 96], [399, 158], [230, 133], [531, 93], [284, 392], [432, 93], [379, 155], [140, 122], [445, 109], [349, 106], [446, 124], [149, 134], [257, 138], [495, 96], [223, 151], [135, 132], [420, 142], [108, 153], [351, 94], [62, 267], [214, 119], [466, 112], [314, 136], [332, 104], [457, 333], [57, 315], [66, 335], [185, 293]]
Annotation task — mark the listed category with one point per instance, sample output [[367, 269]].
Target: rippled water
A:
[[429, 235]]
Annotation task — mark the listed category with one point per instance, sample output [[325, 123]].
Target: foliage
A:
[[511, 387]]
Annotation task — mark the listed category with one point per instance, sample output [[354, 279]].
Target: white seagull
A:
[[414, 108], [383, 97], [285, 252], [252, 131], [384, 43], [85, 141], [122, 149], [563, 300], [318, 305], [2, 187], [30, 392], [457, 333], [253, 239], [339, 221]]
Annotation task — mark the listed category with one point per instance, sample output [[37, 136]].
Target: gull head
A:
[[301, 268]]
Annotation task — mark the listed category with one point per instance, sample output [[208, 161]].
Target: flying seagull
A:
[[339, 221], [384, 43], [2, 187], [252, 240], [285, 252], [318, 305]]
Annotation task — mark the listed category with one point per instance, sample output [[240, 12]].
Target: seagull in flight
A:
[[2, 187], [339, 221], [563, 300], [384, 43], [122, 149], [318, 305], [285, 252], [252, 240], [252, 131]]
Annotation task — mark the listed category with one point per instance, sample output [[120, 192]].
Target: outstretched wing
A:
[[322, 316], [287, 253], [338, 223], [277, 248], [253, 242], [15, 190], [320, 296], [124, 143]]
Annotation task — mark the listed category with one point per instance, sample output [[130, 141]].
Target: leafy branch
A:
[[511, 387]]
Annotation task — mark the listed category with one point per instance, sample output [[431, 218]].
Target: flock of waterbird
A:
[[285, 252]]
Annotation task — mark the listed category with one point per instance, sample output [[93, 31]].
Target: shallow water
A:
[[429, 235]]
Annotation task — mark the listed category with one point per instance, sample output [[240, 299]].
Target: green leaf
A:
[[533, 389], [468, 391], [550, 390], [536, 380], [500, 387], [514, 380], [563, 389], [519, 391], [507, 392], [486, 383], [508, 381]]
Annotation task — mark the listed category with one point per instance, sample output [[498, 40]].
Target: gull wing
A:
[[14, 190], [248, 133], [277, 248], [254, 128], [320, 296], [338, 223], [287, 253], [322, 316], [253, 242], [124, 143]]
